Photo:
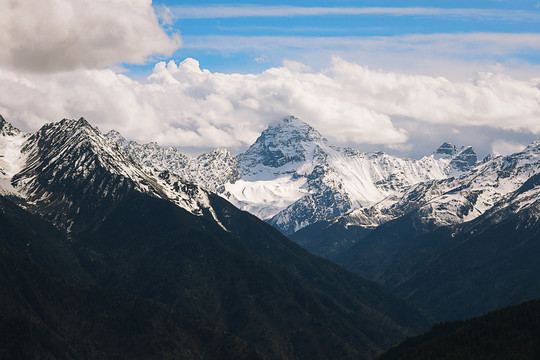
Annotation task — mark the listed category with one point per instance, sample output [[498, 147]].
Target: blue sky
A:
[[250, 36]]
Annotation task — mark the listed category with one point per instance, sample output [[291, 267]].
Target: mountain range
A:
[[91, 238], [457, 247], [440, 231], [449, 234], [292, 177]]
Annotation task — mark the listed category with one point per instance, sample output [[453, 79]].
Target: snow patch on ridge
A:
[[265, 198], [11, 158]]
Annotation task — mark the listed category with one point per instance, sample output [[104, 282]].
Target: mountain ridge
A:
[[130, 230], [292, 176], [453, 269]]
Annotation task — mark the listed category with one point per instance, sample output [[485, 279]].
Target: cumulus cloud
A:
[[69, 34], [492, 100], [183, 105]]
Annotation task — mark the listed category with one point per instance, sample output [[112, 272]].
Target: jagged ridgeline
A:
[[417, 226], [456, 247], [110, 237], [451, 234], [292, 177]]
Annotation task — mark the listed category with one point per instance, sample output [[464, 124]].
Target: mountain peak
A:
[[293, 126], [6, 129], [465, 159], [291, 121], [115, 136], [66, 125], [283, 142], [533, 146], [445, 150], [65, 121], [462, 158]]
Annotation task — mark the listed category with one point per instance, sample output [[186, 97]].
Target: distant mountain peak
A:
[[6, 129], [75, 123], [291, 128], [465, 159], [487, 158], [209, 170], [532, 146], [283, 142], [114, 134], [461, 159], [445, 150], [289, 121], [117, 137], [292, 176]]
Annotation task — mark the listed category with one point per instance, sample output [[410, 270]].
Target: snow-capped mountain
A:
[[461, 160], [410, 217], [292, 176], [496, 203], [81, 208], [457, 199], [456, 247], [468, 264], [336, 180], [68, 169], [11, 159], [211, 170]]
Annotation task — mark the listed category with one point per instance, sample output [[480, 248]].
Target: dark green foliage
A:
[[244, 293], [510, 333], [43, 317], [455, 272], [40, 241], [329, 239], [250, 280], [478, 270]]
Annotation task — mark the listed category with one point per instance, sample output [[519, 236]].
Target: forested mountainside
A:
[[151, 236], [510, 333]]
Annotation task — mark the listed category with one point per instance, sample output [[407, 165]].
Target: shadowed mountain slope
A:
[[510, 333], [151, 235], [45, 316]]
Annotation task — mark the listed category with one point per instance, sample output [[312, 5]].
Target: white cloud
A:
[[68, 34], [189, 107], [491, 100], [261, 59], [503, 147], [165, 15]]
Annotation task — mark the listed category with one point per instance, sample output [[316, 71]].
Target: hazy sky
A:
[[398, 76]]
